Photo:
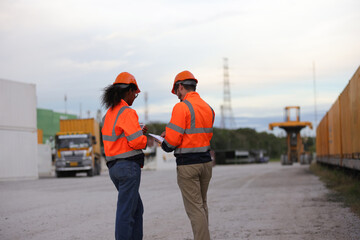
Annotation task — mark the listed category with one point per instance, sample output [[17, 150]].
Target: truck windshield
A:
[[73, 142]]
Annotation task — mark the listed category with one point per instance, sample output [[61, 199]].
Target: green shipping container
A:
[[49, 122]]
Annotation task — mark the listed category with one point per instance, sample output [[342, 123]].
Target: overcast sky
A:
[[76, 48]]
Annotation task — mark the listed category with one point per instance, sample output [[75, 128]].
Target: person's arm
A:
[[175, 128], [166, 148], [133, 132]]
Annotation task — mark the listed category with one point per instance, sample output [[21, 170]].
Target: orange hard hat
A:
[[184, 75], [126, 78]]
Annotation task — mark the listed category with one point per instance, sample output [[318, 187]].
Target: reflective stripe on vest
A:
[[191, 130], [123, 155], [192, 150], [115, 137], [169, 145]]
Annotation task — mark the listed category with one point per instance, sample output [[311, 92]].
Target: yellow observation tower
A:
[[295, 147]]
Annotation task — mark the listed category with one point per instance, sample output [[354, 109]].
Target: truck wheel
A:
[[98, 167], [90, 173], [59, 174]]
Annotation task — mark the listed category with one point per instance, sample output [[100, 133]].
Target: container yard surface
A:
[[266, 201]]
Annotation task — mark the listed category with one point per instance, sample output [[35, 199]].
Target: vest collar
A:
[[123, 103], [191, 95]]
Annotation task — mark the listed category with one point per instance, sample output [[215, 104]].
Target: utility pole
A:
[[227, 119], [98, 116], [315, 108], [146, 107], [65, 99]]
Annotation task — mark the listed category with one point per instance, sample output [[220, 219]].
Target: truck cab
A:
[[74, 153]]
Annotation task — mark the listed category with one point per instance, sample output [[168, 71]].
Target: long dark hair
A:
[[114, 93]]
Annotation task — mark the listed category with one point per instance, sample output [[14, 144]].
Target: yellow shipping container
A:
[[334, 130], [355, 108], [342, 128], [346, 114], [322, 137], [89, 125], [319, 137], [40, 136]]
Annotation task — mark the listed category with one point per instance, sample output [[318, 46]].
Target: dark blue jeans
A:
[[126, 177]]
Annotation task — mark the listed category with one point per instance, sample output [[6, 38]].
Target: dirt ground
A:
[[259, 201]]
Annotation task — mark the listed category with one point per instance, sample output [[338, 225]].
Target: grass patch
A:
[[344, 182]]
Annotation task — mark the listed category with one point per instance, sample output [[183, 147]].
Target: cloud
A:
[[90, 66], [79, 47]]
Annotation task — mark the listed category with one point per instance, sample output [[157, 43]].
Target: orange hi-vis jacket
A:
[[191, 126], [121, 132]]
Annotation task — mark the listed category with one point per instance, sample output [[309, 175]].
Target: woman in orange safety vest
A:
[[123, 140]]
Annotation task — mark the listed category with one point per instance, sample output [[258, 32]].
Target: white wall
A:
[[18, 133], [44, 160], [165, 160], [161, 161]]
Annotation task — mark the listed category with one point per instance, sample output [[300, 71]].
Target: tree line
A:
[[244, 139]]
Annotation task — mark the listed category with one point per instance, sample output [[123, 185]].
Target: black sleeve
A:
[[165, 147]]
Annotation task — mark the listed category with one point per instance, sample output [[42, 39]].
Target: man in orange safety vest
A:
[[188, 134]]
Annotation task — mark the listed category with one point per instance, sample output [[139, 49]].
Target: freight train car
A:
[[338, 133]]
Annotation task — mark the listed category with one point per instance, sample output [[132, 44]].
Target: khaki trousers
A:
[[193, 181]]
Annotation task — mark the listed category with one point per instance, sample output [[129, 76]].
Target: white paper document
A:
[[157, 137]]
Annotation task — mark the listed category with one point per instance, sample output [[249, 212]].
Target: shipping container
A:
[[318, 139], [18, 155], [346, 114], [353, 161], [355, 108], [343, 128], [17, 105], [18, 132], [49, 122], [322, 138], [334, 130], [89, 125], [44, 160], [40, 136]]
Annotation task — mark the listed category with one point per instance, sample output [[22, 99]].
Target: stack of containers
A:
[[355, 109], [345, 118], [322, 140], [334, 133], [18, 133], [338, 133]]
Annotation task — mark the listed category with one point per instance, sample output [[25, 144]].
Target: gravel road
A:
[[262, 201]]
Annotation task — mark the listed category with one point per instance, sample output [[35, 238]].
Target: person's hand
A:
[[144, 129], [163, 134]]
